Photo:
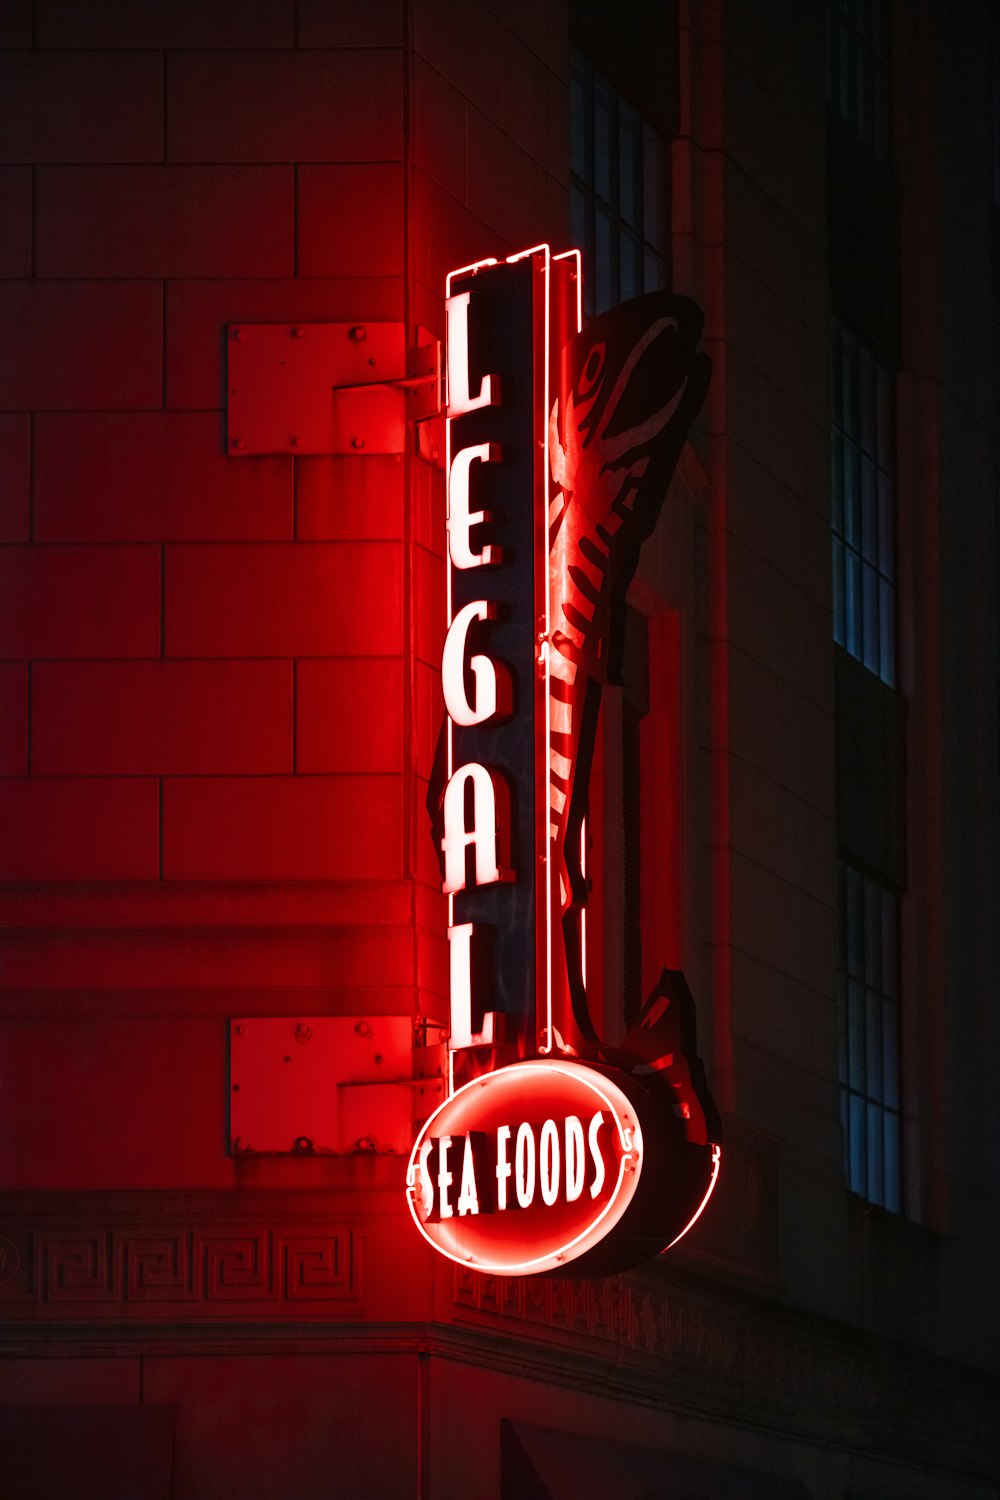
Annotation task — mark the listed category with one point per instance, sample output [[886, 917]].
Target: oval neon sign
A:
[[534, 1166]]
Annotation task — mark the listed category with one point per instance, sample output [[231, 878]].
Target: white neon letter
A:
[[456, 701], [575, 1161], [445, 1178], [460, 990], [503, 1165], [483, 834], [460, 987], [460, 518], [524, 1165], [459, 400], [426, 1181], [595, 1151], [468, 1198], [548, 1163]]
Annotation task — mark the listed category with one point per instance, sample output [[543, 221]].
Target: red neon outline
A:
[[470, 270], [716, 1163], [545, 1039], [573, 255], [618, 1201]]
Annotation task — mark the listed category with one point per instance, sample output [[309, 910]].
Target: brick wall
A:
[[218, 676], [187, 641]]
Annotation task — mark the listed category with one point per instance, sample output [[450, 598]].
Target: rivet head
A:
[[241, 1143], [236, 443], [294, 442], [357, 442], [303, 1032], [358, 334], [238, 335], [298, 333]]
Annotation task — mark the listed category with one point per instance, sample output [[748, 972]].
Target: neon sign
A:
[[527, 1168], [560, 445]]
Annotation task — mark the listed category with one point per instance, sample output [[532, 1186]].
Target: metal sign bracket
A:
[[327, 388]]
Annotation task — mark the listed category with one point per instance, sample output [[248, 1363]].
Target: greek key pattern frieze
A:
[[170, 1274]]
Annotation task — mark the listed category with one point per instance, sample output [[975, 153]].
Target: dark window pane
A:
[[886, 547], [603, 105], [856, 1072], [629, 165], [873, 933], [852, 604], [875, 1148], [893, 1164], [654, 192], [857, 1146], [869, 619], [887, 634], [890, 1056], [838, 592], [631, 266], [578, 123], [603, 260], [890, 938], [852, 495], [578, 215], [873, 1043], [868, 1036], [869, 512]]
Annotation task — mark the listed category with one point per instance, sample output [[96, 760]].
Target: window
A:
[[617, 192], [868, 1013], [858, 69], [863, 496]]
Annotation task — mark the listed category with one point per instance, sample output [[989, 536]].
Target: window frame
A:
[[863, 519], [870, 1036]]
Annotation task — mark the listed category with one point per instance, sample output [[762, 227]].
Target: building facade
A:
[[223, 952]]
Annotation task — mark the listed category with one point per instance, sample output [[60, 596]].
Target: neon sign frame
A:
[[570, 468], [630, 1140]]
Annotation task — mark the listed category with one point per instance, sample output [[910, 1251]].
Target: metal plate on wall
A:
[[328, 1084], [280, 379]]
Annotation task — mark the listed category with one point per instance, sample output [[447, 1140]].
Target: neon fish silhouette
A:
[[632, 384]]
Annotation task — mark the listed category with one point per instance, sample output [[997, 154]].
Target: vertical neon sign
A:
[[504, 320], [560, 444]]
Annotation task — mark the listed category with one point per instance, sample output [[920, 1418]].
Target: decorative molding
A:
[[754, 1360], [187, 1266]]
